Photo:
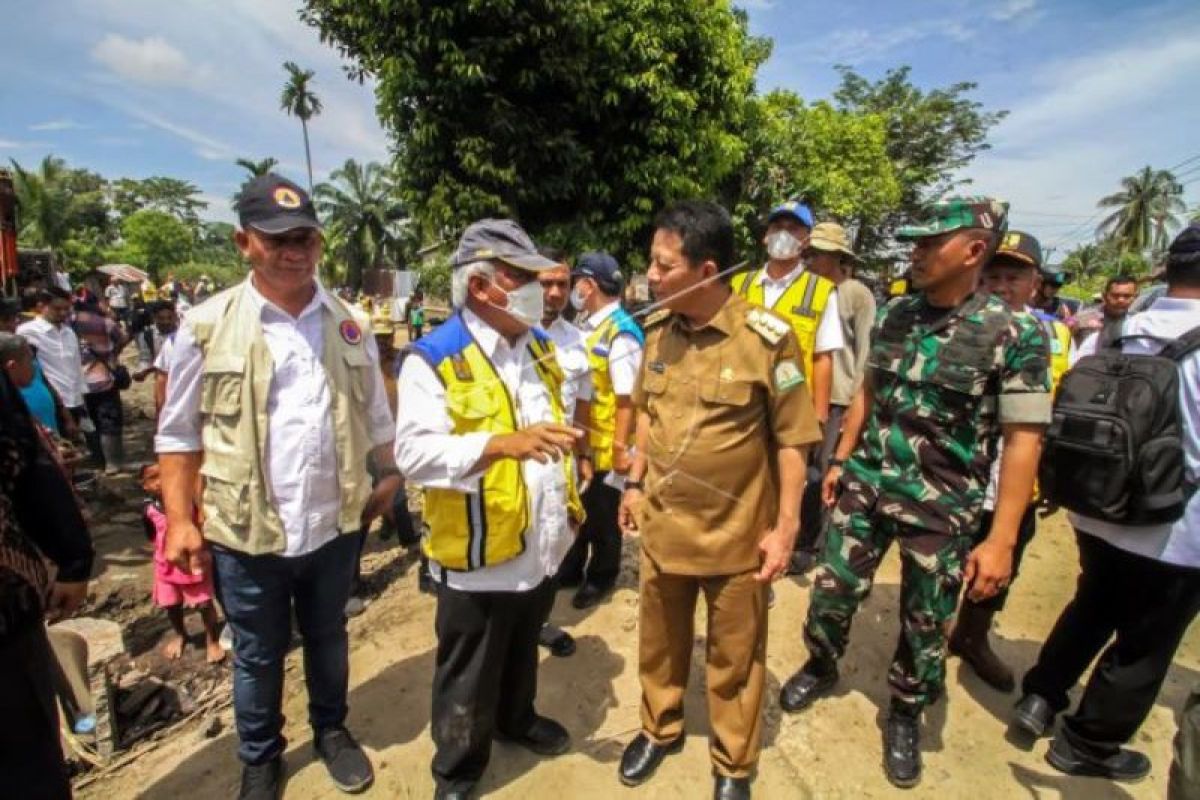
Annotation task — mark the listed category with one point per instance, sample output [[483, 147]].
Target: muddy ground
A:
[[831, 751]]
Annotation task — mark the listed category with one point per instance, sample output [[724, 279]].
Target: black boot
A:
[[902, 745], [1113, 763], [813, 681], [969, 641]]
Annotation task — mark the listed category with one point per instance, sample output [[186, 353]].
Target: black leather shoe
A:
[[902, 747], [451, 794], [642, 757], [1033, 715], [349, 768], [727, 788], [589, 595], [545, 737], [262, 781], [1124, 765], [811, 682], [556, 640]]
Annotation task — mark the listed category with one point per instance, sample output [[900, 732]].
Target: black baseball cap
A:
[[602, 268], [272, 204], [1019, 247]]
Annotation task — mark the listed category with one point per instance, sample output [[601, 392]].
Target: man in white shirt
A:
[[275, 396], [1139, 585], [614, 349], [481, 428], [58, 348]]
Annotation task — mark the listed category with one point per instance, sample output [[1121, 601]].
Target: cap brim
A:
[[833, 248], [532, 262], [1021, 259], [911, 232], [774, 215], [284, 223]]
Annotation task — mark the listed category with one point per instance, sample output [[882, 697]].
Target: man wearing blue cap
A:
[[809, 302], [614, 344], [482, 429]]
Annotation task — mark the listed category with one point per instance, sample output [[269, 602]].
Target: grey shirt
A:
[[856, 307]]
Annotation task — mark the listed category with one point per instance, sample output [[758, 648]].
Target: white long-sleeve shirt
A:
[[61, 359], [431, 456], [301, 457], [624, 356], [570, 349]]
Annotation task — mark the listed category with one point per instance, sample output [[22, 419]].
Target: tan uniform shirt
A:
[[721, 400]]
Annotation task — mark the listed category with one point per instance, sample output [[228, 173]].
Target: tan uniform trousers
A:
[[735, 657]]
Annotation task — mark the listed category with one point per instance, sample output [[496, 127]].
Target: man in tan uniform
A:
[[724, 420]]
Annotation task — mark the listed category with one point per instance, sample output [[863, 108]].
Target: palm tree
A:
[[363, 215], [257, 169], [298, 100], [44, 203], [1147, 210]]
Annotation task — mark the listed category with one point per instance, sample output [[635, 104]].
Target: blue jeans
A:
[[257, 594]]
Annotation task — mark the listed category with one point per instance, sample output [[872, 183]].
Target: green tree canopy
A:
[[179, 198], [155, 241], [1149, 207], [579, 119], [363, 214], [299, 100]]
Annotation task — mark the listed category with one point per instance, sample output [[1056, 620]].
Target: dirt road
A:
[[832, 751]]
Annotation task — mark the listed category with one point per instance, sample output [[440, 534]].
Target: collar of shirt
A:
[[1175, 304], [488, 338], [42, 324], [786, 280], [723, 321], [320, 297], [592, 321]]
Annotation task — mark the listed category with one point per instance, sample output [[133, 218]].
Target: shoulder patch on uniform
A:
[[767, 325], [787, 375]]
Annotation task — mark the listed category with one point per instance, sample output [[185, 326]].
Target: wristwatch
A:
[[837, 462], [635, 485]]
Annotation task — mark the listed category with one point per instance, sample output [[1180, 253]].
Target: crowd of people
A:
[[745, 425]]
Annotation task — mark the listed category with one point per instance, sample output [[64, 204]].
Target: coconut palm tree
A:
[[44, 203], [256, 169], [1148, 208], [298, 100], [363, 216]]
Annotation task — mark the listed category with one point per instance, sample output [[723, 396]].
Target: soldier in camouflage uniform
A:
[[949, 369]]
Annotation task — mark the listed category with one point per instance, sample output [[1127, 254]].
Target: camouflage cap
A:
[[958, 213], [1020, 247]]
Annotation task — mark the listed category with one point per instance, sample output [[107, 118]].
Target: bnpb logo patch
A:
[[286, 198], [350, 331]]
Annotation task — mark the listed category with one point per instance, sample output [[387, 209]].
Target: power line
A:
[[1185, 161]]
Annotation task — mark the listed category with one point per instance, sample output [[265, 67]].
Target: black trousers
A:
[[485, 679], [1147, 605], [1025, 532], [813, 514], [600, 535], [31, 759]]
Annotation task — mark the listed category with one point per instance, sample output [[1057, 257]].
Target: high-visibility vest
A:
[[1058, 336], [469, 531], [604, 399], [802, 304]]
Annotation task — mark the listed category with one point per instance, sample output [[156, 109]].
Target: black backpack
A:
[[1114, 450]]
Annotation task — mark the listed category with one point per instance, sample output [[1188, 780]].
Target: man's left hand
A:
[[380, 502], [776, 549], [989, 567]]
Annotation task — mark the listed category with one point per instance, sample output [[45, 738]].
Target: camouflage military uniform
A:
[[943, 381]]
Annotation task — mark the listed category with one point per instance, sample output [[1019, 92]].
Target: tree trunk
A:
[[307, 154]]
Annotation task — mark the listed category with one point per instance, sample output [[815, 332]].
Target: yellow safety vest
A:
[[1058, 336], [470, 531], [802, 304], [235, 385], [604, 398]]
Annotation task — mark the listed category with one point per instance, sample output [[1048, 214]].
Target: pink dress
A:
[[173, 586]]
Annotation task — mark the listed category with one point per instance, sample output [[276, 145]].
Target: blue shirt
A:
[[40, 401]]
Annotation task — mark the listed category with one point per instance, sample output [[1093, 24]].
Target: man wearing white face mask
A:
[[481, 428], [614, 345], [809, 303]]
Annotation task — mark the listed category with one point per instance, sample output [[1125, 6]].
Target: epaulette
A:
[[657, 317], [767, 325]]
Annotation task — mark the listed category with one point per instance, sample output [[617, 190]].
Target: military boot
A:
[[902, 745], [969, 641]]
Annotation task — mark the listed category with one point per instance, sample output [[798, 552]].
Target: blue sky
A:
[[1096, 89]]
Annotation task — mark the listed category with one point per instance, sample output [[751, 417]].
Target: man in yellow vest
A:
[[481, 428], [1012, 275], [809, 302], [276, 401], [614, 348]]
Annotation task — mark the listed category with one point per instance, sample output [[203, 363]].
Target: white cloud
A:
[[12, 144], [1011, 9], [207, 147], [859, 45], [755, 5], [152, 60], [58, 125]]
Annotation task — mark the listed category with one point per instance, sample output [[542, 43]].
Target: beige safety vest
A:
[[238, 512]]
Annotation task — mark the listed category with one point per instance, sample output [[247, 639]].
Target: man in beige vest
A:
[[276, 400]]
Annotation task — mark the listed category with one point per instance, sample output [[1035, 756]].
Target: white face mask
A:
[[781, 246], [525, 304], [577, 299]]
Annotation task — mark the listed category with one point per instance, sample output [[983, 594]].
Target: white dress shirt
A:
[[301, 459], [829, 329], [570, 350], [62, 361], [431, 456], [1177, 543], [625, 354]]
